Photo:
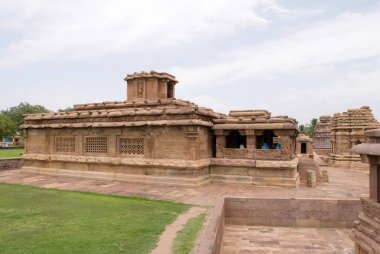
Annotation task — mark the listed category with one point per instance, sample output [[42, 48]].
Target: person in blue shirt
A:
[[265, 146], [278, 146]]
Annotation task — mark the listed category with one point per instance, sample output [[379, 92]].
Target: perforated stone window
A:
[[65, 144], [131, 146], [96, 145]]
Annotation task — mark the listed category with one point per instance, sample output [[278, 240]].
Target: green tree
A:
[[309, 129], [7, 127], [302, 129], [68, 109], [16, 113], [312, 126]]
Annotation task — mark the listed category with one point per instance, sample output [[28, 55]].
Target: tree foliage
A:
[[309, 129], [68, 109], [16, 113], [7, 127]]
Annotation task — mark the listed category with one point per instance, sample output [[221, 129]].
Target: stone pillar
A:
[[220, 143], [192, 137], [112, 145], [367, 227], [251, 143]]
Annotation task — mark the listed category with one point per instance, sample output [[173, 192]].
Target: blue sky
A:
[[298, 58]]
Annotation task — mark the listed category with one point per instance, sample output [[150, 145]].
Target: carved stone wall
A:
[[155, 137], [305, 146], [322, 137], [347, 130]]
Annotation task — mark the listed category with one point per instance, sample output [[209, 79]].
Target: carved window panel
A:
[[65, 144], [96, 145], [131, 146]]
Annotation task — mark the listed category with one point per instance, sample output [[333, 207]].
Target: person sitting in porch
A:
[[278, 146], [241, 146], [265, 146]]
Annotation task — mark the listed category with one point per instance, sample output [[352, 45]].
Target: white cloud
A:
[[303, 72], [82, 29], [348, 37], [247, 53]]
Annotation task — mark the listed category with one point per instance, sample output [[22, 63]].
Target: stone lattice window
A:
[[96, 145], [65, 144], [131, 146]]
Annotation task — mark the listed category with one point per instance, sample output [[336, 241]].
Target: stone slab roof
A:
[[113, 114], [151, 74], [253, 119]]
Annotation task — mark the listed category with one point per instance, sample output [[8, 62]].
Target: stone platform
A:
[[345, 184], [278, 240]]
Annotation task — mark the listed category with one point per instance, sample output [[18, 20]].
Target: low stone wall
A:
[[219, 230], [320, 213], [10, 163], [212, 236]]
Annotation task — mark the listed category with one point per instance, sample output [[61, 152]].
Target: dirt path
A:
[[167, 237]]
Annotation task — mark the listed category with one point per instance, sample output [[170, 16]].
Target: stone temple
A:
[[153, 137], [322, 137], [347, 130]]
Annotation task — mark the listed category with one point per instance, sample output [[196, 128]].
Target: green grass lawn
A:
[[38, 220], [185, 239], [11, 152]]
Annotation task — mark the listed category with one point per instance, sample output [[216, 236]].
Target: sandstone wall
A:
[[292, 212], [10, 163]]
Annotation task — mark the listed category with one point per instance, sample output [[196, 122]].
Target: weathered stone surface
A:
[[322, 137], [153, 137], [347, 131], [305, 164], [304, 146], [367, 227], [311, 178], [10, 163], [292, 212]]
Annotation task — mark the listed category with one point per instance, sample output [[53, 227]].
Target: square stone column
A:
[[367, 227], [220, 143], [251, 143]]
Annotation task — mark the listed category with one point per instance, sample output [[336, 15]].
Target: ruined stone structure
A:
[[367, 227], [347, 130], [153, 137], [253, 147], [305, 146], [322, 137]]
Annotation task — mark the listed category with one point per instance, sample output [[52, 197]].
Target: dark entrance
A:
[[170, 91], [303, 147], [265, 141], [234, 140], [213, 146]]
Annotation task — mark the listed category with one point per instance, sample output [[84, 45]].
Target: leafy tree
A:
[[302, 129], [16, 113], [68, 109], [312, 126], [7, 127], [309, 129]]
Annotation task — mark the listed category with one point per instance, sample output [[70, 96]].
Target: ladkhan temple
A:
[[153, 137]]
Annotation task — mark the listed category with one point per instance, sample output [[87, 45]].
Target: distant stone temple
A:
[[347, 130], [153, 137], [322, 136], [305, 146]]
